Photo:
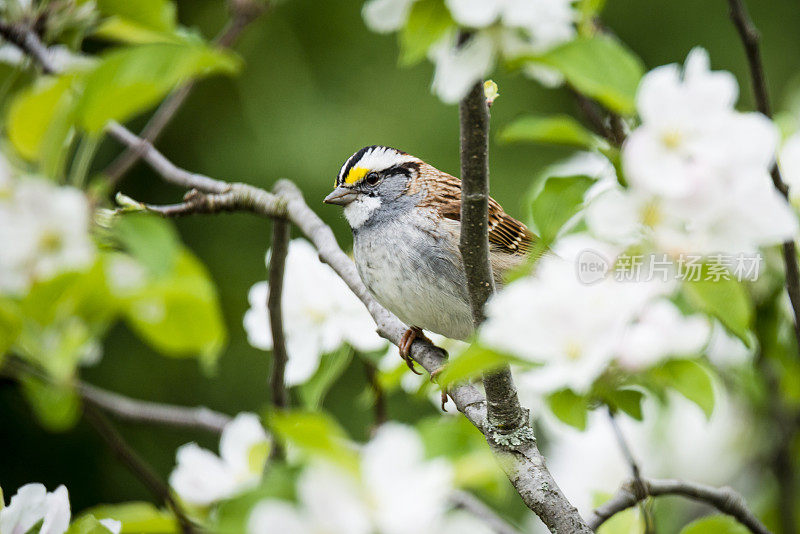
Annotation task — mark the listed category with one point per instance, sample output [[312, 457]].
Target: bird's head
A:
[[374, 180]]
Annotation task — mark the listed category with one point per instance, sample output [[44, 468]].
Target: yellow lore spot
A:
[[355, 174]]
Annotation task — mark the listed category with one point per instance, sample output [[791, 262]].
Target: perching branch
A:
[[137, 465], [473, 505], [509, 432], [750, 39], [243, 12], [726, 500]]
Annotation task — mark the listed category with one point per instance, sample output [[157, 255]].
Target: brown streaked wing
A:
[[506, 234]]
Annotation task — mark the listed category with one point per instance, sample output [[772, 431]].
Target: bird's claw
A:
[[408, 338]]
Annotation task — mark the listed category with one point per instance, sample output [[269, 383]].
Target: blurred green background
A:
[[316, 86]]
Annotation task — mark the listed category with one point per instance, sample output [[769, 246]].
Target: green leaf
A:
[[127, 31], [138, 518], [556, 130], [39, 121], [87, 524], [316, 434], [473, 362], [10, 326], [152, 240], [727, 300], [628, 400], [569, 407], [715, 524], [690, 379], [428, 21], [599, 67], [558, 200], [179, 314], [331, 367], [130, 80], [56, 407], [156, 15]]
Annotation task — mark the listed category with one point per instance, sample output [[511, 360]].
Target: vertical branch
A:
[[136, 465], [750, 39], [501, 394], [508, 430], [277, 265]]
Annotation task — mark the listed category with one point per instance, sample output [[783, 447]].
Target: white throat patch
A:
[[360, 210]]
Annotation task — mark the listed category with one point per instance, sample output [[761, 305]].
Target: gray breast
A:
[[415, 275]]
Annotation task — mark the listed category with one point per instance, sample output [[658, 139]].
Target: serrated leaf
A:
[[331, 367], [127, 31], [556, 130], [428, 21], [138, 518], [316, 434], [558, 200], [691, 380], [473, 362], [727, 300], [717, 524], [601, 68], [129, 80], [569, 407]]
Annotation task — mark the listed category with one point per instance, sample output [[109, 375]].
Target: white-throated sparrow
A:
[[405, 216]]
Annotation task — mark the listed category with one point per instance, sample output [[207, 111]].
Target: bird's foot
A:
[[434, 378], [408, 338]]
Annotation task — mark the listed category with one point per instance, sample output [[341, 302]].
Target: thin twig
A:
[[636, 473], [136, 465], [243, 13], [750, 39], [725, 499], [473, 505], [130, 409], [152, 412], [277, 263]]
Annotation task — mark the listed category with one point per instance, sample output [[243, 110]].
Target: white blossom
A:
[[394, 479], [202, 478], [44, 230], [33, 504], [674, 440], [697, 169], [320, 314], [384, 16], [575, 330], [662, 331], [503, 28]]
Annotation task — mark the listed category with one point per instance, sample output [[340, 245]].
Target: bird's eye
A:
[[372, 178]]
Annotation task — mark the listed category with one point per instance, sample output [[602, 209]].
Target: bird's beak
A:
[[341, 196]]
